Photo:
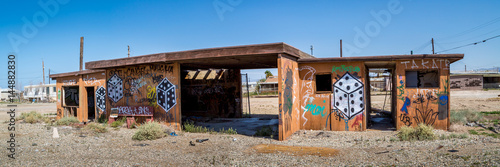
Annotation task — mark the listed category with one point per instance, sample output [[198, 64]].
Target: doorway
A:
[[381, 113], [91, 111]]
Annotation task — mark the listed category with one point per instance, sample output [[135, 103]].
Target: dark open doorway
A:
[[91, 112], [381, 115]]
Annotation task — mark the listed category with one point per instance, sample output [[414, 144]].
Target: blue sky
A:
[[165, 26]]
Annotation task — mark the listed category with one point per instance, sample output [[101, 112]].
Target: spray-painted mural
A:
[[428, 105], [115, 88], [100, 94], [343, 108], [348, 96], [289, 104], [166, 95], [153, 85]]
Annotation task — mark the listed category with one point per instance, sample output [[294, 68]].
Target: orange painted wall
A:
[[94, 80], [60, 83], [424, 105], [289, 102], [317, 111], [139, 87]]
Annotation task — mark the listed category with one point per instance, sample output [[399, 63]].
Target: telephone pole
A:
[[128, 46], [312, 50], [432, 40], [340, 47], [81, 53], [43, 71]]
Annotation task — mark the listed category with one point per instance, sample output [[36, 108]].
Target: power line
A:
[[472, 29], [474, 43]]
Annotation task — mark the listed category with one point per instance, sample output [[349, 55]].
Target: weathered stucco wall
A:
[[423, 105], [343, 108], [60, 84], [155, 85], [289, 94], [84, 81]]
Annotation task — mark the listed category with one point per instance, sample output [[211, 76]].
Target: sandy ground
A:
[[36, 147], [44, 108]]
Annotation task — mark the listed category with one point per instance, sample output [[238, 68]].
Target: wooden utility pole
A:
[[128, 50], [340, 47], [43, 71], [81, 53], [432, 40], [465, 68], [312, 50]]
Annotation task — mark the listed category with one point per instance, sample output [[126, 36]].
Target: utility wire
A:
[[474, 43], [472, 29]]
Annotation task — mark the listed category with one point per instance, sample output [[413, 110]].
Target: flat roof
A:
[[74, 73], [242, 57], [452, 57]]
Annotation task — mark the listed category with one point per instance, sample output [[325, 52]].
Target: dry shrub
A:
[[457, 128], [67, 121], [96, 127], [465, 116], [149, 131], [421, 132], [32, 117]]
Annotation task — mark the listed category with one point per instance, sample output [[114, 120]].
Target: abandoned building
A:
[[475, 80], [314, 93]]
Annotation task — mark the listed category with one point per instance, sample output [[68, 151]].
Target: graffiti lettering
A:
[[424, 64], [315, 109], [91, 81], [405, 119], [151, 96], [69, 82], [344, 68], [135, 110]]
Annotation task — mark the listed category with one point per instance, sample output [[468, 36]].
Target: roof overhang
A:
[[75, 73], [241, 57], [387, 59]]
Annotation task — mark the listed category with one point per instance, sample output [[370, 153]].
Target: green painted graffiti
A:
[[344, 68], [315, 109], [401, 90]]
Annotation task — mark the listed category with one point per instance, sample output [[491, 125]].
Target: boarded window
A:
[[422, 79], [323, 82], [71, 96]]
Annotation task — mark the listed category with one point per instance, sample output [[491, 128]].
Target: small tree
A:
[[268, 74]]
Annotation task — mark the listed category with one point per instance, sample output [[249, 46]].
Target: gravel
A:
[[36, 147]]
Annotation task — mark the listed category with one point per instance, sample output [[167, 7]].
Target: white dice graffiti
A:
[[348, 96], [166, 95], [115, 88], [100, 95]]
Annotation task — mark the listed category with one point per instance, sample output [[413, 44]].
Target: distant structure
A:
[[474, 80], [270, 85], [251, 86], [40, 92], [4, 94]]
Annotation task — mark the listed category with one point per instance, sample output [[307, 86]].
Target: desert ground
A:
[[76, 147]]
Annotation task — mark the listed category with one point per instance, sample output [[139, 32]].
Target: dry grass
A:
[[458, 128], [296, 150]]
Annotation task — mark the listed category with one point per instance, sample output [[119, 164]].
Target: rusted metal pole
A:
[[248, 96], [81, 53]]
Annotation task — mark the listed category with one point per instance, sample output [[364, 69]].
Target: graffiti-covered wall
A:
[[423, 92], [155, 85], [342, 107], [466, 82], [289, 96]]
